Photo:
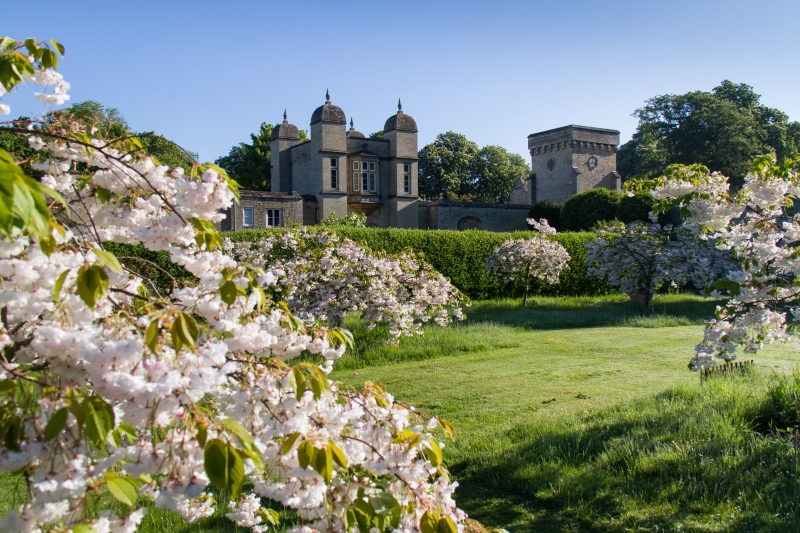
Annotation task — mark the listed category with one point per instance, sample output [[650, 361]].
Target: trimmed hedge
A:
[[461, 256]]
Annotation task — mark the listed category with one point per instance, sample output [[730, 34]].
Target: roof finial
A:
[[284, 115], [327, 96], [351, 123], [399, 106]]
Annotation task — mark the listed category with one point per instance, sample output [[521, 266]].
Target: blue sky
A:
[[207, 74]]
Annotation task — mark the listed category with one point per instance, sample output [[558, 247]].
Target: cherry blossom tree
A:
[[322, 277], [760, 225], [107, 384], [537, 257], [638, 259]]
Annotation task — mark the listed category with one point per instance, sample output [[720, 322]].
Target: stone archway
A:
[[469, 223]]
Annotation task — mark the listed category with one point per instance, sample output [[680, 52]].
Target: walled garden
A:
[[158, 375]]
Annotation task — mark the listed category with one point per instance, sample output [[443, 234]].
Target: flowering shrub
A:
[[760, 225], [536, 257], [352, 220], [322, 276], [106, 383], [638, 259]]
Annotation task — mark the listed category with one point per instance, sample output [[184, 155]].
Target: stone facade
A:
[[473, 215], [339, 171], [290, 206], [572, 159]]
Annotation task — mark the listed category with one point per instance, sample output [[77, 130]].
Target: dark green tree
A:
[[493, 173], [444, 166], [377, 135], [167, 152], [549, 210], [723, 129], [635, 208], [250, 164], [583, 211], [94, 114]]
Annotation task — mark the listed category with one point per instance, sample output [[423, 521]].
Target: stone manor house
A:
[[341, 171]]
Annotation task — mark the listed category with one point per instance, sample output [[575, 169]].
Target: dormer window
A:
[[334, 173]]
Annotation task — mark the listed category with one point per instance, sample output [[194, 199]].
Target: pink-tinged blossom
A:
[[760, 225], [534, 258], [164, 399]]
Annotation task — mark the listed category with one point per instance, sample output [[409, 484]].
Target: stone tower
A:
[[572, 159], [402, 191], [283, 137]]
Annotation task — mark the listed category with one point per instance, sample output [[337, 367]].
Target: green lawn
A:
[[579, 414]]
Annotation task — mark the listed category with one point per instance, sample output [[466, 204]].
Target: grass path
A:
[[531, 417]]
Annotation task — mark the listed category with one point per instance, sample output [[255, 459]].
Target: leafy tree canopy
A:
[[456, 168], [166, 151], [494, 171], [724, 130], [92, 113], [377, 135], [109, 121], [444, 166], [250, 164], [584, 211]]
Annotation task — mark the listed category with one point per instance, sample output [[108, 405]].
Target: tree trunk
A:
[[527, 284]]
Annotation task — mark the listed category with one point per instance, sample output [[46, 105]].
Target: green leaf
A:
[[128, 431], [239, 430], [30, 45], [224, 467], [446, 525], [59, 284], [323, 463], [92, 284], [288, 443], [14, 433], [109, 260], [428, 522], [299, 382], [364, 513], [338, 455], [121, 489], [58, 46], [99, 420], [184, 331], [349, 519], [448, 428], [103, 194], [433, 452], [83, 529], [270, 516], [151, 335], [202, 434], [56, 424], [305, 453], [8, 385], [228, 291]]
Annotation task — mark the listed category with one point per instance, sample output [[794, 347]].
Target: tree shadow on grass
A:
[[673, 462], [586, 312]]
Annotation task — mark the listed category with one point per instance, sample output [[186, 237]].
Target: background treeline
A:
[[459, 255]]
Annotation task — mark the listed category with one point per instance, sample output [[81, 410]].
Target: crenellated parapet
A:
[[572, 159]]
